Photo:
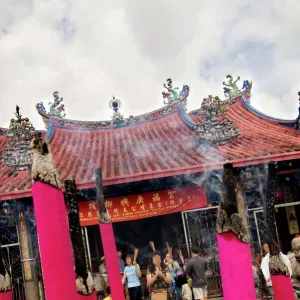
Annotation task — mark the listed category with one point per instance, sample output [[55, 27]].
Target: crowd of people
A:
[[166, 278]]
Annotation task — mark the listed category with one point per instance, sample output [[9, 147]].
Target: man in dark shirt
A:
[[121, 262], [196, 269]]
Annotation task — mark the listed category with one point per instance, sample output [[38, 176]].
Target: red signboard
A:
[[145, 205]]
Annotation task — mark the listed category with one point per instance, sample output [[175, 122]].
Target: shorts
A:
[[200, 293]]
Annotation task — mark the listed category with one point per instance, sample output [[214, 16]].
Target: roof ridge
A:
[[130, 121], [258, 113], [244, 93]]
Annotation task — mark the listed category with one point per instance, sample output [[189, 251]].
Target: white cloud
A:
[[90, 50]]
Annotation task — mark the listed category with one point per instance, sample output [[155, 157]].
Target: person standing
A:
[[265, 266], [158, 278], [196, 268], [103, 277], [121, 262], [178, 277], [132, 274]]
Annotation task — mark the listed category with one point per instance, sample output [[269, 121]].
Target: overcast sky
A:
[[90, 50]]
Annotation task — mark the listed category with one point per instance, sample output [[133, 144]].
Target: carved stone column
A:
[[28, 261]]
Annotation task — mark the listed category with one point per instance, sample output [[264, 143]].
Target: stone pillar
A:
[[28, 262], [109, 243]]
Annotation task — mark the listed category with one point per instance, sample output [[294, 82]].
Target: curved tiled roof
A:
[[165, 146]]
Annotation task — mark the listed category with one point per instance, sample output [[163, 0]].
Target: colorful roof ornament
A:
[[2, 132], [19, 135], [230, 88], [173, 93], [215, 127], [56, 108], [117, 118]]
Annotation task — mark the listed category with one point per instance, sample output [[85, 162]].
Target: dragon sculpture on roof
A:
[[172, 94], [57, 108], [230, 88]]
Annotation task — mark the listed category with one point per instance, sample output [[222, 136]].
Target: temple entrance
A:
[[12, 256], [287, 224], [200, 231], [12, 260], [138, 234]]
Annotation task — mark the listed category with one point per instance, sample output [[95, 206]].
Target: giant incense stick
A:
[[52, 225], [233, 243], [84, 280], [108, 242], [279, 272]]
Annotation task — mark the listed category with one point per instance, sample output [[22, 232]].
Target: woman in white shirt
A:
[[265, 264], [132, 274]]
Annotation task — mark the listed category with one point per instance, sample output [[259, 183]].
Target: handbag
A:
[[173, 295], [180, 278]]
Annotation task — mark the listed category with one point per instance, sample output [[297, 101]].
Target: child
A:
[[108, 292], [187, 291]]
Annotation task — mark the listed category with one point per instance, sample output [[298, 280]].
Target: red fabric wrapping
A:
[[111, 258], [282, 287], [54, 242], [6, 296], [236, 268], [90, 297]]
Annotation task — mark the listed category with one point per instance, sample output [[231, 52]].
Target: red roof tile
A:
[[164, 146]]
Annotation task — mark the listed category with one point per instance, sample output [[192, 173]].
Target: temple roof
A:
[[163, 143]]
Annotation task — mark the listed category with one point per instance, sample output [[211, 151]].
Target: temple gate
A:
[[200, 230]]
